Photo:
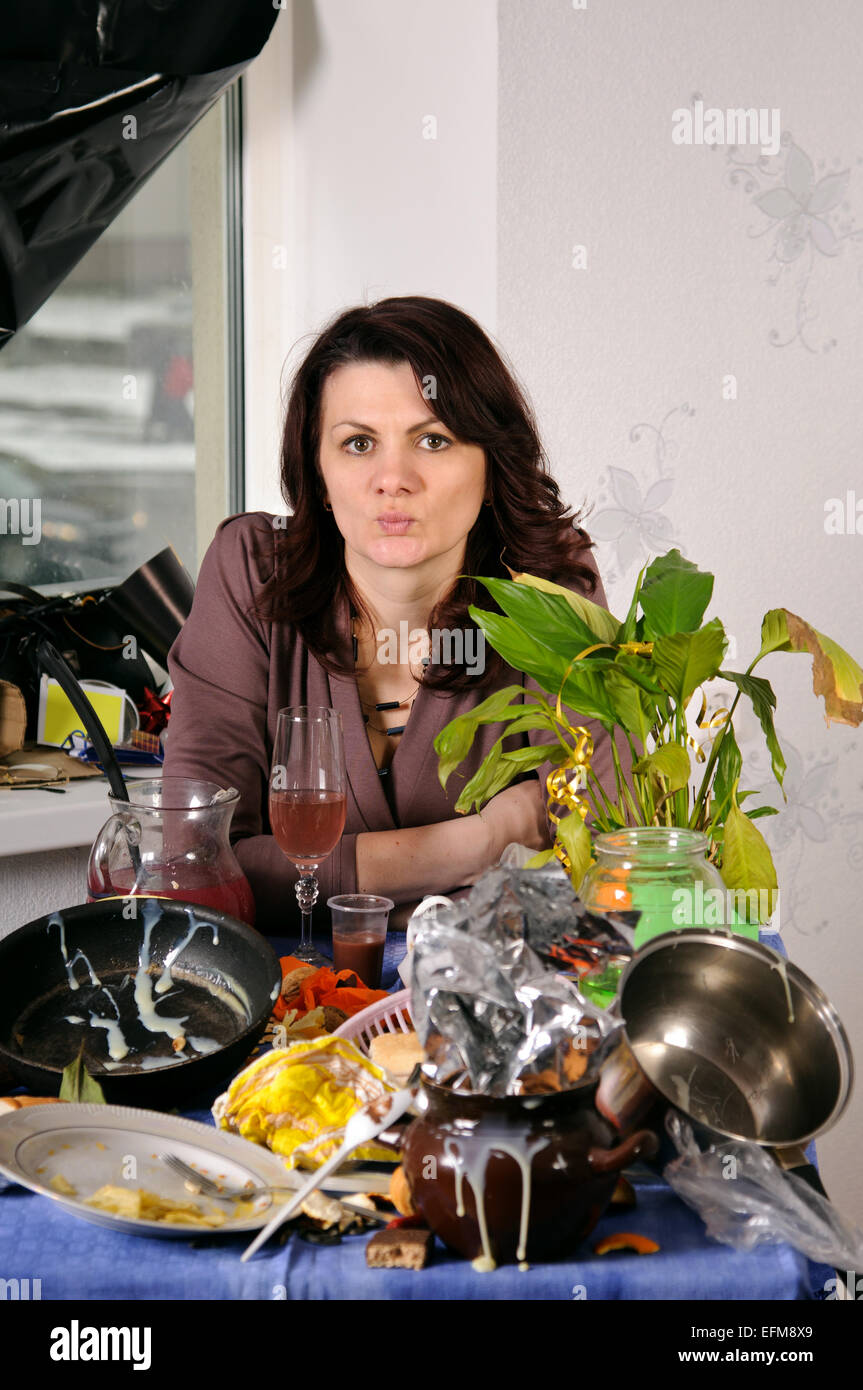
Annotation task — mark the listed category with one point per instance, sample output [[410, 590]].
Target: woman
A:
[[410, 462]]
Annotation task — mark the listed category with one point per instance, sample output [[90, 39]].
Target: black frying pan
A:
[[226, 992]]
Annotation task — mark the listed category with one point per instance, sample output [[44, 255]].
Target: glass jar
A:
[[663, 873]]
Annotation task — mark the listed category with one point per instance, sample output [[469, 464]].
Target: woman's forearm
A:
[[406, 864]]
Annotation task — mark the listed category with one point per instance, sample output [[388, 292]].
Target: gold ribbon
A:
[[716, 721], [560, 790]]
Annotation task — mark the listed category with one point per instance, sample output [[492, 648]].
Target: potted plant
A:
[[640, 676]]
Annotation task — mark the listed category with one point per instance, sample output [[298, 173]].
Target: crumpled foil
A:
[[488, 1010]]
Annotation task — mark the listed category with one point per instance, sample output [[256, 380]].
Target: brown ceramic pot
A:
[[514, 1177]]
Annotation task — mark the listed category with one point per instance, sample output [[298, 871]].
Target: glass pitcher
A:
[[170, 840]]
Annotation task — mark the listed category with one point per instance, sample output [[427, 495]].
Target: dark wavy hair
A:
[[477, 397]]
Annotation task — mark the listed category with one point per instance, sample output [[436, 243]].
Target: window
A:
[[100, 391]]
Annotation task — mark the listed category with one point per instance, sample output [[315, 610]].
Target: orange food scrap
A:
[[340, 989], [625, 1240], [623, 1194]]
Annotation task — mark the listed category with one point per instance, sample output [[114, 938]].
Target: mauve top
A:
[[233, 673]]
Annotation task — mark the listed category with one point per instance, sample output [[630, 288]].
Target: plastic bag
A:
[[92, 99], [745, 1199]]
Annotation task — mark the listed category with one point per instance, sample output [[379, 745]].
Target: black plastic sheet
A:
[[94, 94]]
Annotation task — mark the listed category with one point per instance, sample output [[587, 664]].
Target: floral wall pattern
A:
[[695, 370]]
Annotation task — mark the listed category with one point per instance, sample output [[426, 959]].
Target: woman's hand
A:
[[517, 815]]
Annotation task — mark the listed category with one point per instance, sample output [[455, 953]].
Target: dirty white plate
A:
[[91, 1145]]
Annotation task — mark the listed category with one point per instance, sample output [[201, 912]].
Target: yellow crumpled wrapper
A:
[[298, 1099]]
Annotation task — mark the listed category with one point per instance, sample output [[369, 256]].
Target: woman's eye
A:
[[357, 438], [441, 439]]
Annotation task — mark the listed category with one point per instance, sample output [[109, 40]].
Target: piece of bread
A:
[[405, 1247], [8, 1103], [397, 1054], [400, 1194]]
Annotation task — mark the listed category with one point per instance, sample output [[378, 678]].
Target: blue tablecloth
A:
[[38, 1240]]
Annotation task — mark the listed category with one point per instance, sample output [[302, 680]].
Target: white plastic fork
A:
[[359, 1129]]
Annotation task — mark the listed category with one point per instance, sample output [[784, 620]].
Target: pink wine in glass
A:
[[307, 825], [308, 801]]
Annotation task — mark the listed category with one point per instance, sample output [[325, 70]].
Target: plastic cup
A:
[[359, 934]]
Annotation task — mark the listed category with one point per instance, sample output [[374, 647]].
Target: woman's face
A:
[[402, 488]]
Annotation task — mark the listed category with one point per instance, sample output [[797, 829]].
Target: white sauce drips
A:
[[144, 988], [153, 1022], [57, 921], [780, 965], [473, 1169], [118, 1048], [165, 981], [117, 1045]]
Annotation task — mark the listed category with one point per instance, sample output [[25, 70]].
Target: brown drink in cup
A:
[[359, 934]]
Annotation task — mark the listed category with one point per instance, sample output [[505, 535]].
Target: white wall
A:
[[554, 130], [347, 201]]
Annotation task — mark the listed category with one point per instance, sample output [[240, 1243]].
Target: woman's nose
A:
[[395, 470]]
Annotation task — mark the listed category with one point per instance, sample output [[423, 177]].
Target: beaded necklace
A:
[[383, 705]]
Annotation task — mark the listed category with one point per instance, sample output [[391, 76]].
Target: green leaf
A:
[[500, 767], [601, 623], [574, 835], [519, 649], [670, 761], [835, 674], [774, 633], [726, 772], [585, 694], [490, 778], [758, 811], [685, 659], [760, 692], [534, 756], [547, 617], [78, 1085], [747, 863], [628, 628], [455, 739], [638, 669], [539, 860], [674, 595], [633, 709]]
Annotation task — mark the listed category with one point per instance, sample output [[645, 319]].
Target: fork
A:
[[209, 1188], [363, 1125]]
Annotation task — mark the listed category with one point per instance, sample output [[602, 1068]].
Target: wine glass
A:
[[308, 801]]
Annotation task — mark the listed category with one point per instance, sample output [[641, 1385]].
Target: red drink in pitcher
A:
[[233, 896]]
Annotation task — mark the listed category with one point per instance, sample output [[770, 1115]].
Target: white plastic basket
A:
[[388, 1015]]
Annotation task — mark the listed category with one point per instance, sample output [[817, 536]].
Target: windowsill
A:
[[34, 821]]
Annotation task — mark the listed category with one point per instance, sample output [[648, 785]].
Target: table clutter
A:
[[503, 1178]]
